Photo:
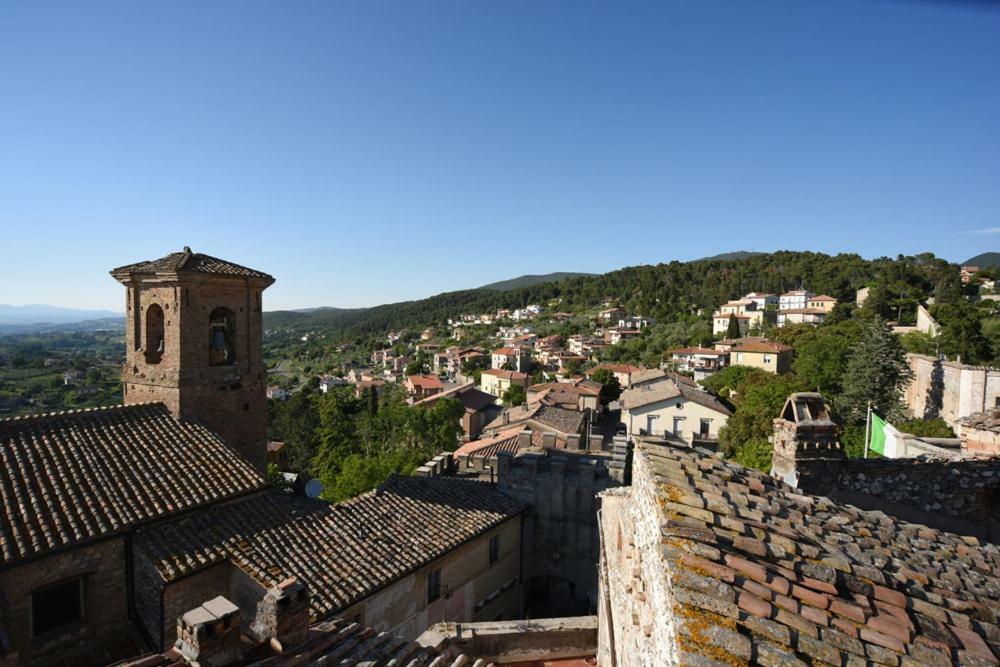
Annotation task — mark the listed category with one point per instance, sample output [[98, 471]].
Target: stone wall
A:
[[949, 389], [961, 496], [472, 588], [635, 610], [560, 534], [105, 605]]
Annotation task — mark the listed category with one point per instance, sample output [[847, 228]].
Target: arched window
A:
[[154, 343], [221, 337]]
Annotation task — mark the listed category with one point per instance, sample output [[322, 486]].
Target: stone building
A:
[[193, 343], [706, 562], [950, 390], [117, 521]]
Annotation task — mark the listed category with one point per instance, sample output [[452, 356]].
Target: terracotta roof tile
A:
[[72, 477], [343, 552], [190, 262], [805, 580]]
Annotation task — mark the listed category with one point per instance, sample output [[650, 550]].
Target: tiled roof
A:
[[647, 375], [822, 297], [501, 441], [766, 575], [648, 394], [71, 477], [505, 374], [617, 368], [584, 387], [556, 418], [765, 347], [339, 642], [472, 399], [190, 262], [425, 381], [343, 552], [740, 341]]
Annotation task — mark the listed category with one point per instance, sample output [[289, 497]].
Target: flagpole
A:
[[868, 426]]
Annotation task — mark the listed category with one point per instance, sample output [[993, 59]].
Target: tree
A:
[[821, 356], [611, 388], [515, 396], [759, 399], [876, 373], [726, 381], [733, 330], [962, 333]]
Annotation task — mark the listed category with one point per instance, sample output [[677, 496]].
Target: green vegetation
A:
[[352, 444], [529, 280], [515, 396], [611, 388]]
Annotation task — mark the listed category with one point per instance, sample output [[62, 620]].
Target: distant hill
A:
[[101, 324], [739, 254], [984, 260], [45, 314], [529, 280]]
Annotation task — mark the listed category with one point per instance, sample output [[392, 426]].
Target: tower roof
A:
[[190, 262]]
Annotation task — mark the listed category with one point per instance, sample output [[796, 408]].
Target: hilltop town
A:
[[710, 509]]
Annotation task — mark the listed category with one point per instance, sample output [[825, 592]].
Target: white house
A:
[[794, 299], [673, 410]]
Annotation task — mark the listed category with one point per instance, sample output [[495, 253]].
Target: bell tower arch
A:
[[194, 342]]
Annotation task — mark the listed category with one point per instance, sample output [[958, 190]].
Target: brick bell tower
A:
[[193, 342]]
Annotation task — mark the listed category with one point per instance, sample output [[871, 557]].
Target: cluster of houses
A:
[[755, 312], [755, 351]]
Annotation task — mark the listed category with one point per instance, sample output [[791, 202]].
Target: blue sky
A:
[[367, 152]]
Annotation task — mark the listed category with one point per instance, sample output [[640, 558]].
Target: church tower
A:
[[193, 342]]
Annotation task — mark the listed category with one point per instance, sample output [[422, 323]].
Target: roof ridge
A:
[[77, 411]]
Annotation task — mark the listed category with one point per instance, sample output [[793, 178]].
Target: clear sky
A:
[[366, 152]]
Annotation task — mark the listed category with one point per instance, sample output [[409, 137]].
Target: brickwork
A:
[[635, 608], [561, 537], [229, 398], [105, 603]]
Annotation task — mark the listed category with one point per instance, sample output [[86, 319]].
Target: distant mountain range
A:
[[533, 279], [984, 260], [44, 314]]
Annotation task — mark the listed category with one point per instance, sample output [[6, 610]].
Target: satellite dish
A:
[[314, 488]]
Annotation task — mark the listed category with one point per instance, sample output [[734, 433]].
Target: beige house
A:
[[765, 355], [673, 410], [496, 381], [802, 316], [822, 302]]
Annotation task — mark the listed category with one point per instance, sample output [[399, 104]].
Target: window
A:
[[494, 549], [154, 334], [222, 337], [433, 585], [56, 606]]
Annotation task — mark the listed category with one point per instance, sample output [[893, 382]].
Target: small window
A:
[[433, 586], [494, 549], [996, 402], [56, 606], [222, 337]]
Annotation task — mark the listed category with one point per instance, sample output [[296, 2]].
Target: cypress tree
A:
[[733, 330]]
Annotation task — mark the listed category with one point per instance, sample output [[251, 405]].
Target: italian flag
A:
[[876, 441]]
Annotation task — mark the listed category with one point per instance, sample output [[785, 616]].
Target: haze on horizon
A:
[[366, 154]]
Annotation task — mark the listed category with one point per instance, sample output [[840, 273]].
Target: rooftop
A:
[[187, 261], [762, 573], [764, 347], [344, 552], [72, 477]]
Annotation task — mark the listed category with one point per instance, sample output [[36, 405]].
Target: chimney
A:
[[524, 439], [549, 440], [209, 635], [283, 616]]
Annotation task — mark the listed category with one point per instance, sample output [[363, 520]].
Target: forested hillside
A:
[[667, 292]]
